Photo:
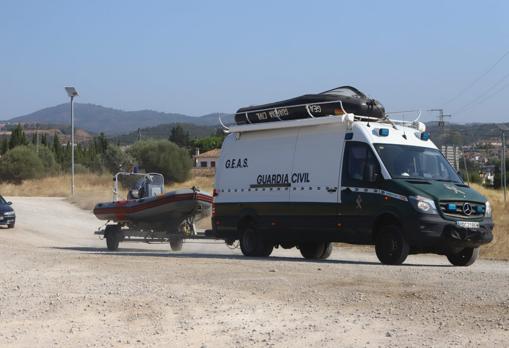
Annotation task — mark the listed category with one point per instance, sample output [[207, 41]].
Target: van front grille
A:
[[463, 209]]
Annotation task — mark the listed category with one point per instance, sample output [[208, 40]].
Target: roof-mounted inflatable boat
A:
[[337, 101]]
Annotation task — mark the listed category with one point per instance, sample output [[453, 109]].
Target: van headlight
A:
[[423, 205], [9, 213], [488, 211]]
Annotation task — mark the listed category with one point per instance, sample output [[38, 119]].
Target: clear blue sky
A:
[[215, 56]]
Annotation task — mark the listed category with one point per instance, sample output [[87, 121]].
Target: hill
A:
[[96, 118], [464, 134]]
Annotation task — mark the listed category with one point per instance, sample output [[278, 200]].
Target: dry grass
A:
[[499, 248]]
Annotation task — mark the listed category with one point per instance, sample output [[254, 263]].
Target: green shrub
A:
[[21, 163], [116, 160], [48, 160], [163, 156]]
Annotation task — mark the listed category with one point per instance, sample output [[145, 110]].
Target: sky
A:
[[199, 57]]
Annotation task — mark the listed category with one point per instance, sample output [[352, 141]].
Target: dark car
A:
[[7, 215]]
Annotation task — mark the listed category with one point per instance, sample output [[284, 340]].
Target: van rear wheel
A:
[[327, 251], [251, 244], [465, 257], [315, 250], [390, 245]]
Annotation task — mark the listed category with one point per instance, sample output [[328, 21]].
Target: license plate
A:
[[468, 224]]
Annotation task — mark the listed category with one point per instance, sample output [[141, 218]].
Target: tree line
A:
[[22, 158]]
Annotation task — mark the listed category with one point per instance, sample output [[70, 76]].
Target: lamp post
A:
[[72, 92]]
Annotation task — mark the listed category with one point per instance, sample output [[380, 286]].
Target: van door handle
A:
[[332, 189]]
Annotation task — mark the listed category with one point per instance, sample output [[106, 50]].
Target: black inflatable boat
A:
[[337, 101]]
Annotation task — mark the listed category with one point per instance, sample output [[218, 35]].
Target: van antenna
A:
[[418, 115], [404, 132]]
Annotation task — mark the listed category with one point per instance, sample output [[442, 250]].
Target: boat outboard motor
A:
[[336, 101]]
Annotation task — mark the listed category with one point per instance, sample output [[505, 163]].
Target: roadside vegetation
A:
[[23, 159], [499, 248]]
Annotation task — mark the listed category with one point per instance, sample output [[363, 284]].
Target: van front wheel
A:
[[390, 245], [465, 257]]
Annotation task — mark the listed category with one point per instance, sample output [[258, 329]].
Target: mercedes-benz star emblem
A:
[[467, 209]]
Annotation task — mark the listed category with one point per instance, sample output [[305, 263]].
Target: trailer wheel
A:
[[112, 234], [390, 245], [327, 251], [465, 257], [252, 245], [176, 244], [314, 250]]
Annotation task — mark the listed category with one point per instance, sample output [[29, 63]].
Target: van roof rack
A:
[[315, 121]]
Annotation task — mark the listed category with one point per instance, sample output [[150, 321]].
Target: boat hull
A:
[[167, 209]]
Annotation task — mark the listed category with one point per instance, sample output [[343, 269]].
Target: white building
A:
[[207, 159]]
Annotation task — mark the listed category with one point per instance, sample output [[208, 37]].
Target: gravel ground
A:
[[60, 287]]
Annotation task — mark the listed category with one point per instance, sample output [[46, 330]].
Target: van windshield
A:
[[413, 162]]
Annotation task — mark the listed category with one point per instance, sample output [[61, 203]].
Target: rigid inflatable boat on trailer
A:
[[150, 215]]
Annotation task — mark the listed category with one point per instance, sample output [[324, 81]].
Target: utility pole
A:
[[503, 164], [441, 116]]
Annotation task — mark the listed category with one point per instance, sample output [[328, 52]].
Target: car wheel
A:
[[390, 245], [11, 225], [313, 250], [465, 257]]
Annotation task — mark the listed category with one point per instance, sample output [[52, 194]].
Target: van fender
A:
[[385, 218]]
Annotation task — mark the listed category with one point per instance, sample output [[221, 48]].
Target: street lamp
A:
[[72, 92]]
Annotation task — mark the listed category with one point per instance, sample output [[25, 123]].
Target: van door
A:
[[314, 190], [360, 192]]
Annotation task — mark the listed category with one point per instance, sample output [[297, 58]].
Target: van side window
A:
[[359, 164]]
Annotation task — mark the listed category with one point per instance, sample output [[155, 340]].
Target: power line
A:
[[483, 95], [488, 97], [476, 80]]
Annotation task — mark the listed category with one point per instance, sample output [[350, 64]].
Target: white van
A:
[[309, 182]]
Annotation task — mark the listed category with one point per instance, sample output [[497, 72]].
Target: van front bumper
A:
[[435, 232]]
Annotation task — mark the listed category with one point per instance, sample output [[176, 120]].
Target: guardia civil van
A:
[[308, 182]]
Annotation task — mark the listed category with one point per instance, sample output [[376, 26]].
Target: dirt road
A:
[[59, 286]]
